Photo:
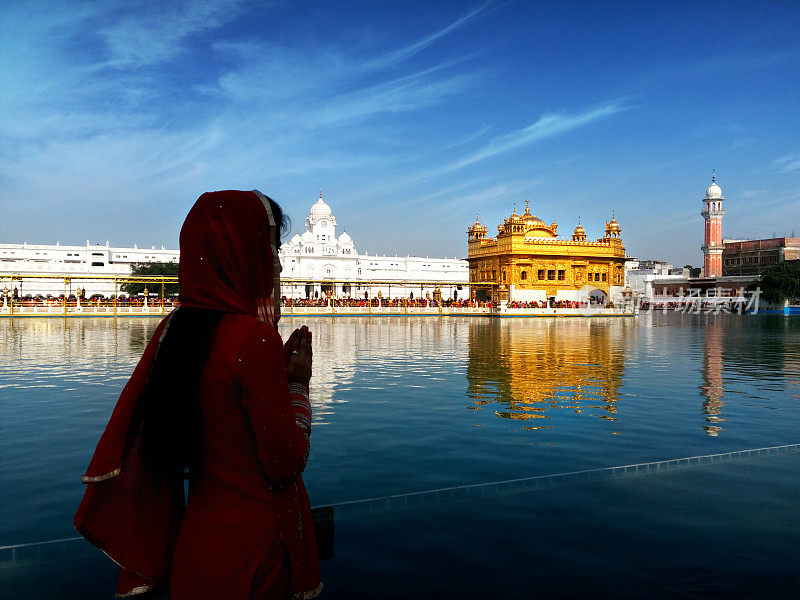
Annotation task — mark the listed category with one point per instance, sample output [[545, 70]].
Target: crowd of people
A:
[[734, 305], [123, 300], [377, 302], [559, 304], [97, 300], [381, 302]]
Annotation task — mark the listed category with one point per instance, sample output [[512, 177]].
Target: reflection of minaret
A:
[[713, 213], [712, 376]]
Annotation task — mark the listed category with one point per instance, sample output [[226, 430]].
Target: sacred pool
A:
[[467, 457]]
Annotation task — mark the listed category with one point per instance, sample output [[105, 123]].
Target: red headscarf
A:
[[229, 259], [229, 262]]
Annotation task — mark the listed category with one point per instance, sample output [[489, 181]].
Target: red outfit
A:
[[249, 493], [246, 530]]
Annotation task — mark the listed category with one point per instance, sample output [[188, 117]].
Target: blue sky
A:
[[411, 116]]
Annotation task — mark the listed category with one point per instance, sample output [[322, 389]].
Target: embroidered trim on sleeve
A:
[[298, 388]]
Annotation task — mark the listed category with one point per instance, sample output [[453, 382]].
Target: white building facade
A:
[[73, 262], [320, 263], [317, 264], [643, 275]]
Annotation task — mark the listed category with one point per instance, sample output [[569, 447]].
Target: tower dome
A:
[[714, 192], [320, 208], [531, 220], [579, 235], [612, 227], [345, 238], [321, 213]]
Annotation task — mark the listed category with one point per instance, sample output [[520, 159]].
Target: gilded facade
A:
[[527, 261]]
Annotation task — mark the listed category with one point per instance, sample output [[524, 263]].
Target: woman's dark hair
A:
[[171, 419], [282, 220]]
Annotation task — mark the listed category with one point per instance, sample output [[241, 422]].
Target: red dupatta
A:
[[228, 262]]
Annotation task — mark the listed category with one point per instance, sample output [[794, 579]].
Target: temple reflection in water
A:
[[527, 370]]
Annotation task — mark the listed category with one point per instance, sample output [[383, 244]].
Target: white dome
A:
[[296, 239], [714, 192], [307, 236], [320, 209], [345, 239]]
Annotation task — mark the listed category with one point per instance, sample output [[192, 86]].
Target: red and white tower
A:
[[713, 213]]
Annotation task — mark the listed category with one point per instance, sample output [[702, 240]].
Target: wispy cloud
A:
[[787, 164], [547, 126], [403, 95], [328, 87], [402, 54], [470, 138], [148, 37]]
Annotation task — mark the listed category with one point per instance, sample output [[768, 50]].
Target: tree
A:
[[778, 282], [155, 269]]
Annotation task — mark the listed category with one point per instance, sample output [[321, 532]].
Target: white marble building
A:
[[316, 263], [73, 262], [642, 275], [319, 262]]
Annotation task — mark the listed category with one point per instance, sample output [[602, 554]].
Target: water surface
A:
[[412, 404]]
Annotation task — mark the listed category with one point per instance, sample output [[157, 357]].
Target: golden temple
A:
[[528, 262]]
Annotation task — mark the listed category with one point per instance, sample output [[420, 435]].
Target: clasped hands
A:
[[298, 356]]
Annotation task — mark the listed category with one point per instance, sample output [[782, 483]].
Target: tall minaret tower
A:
[[713, 213]]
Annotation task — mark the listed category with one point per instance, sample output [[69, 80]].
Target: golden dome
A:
[[476, 226], [534, 221], [612, 227], [529, 219], [579, 235]]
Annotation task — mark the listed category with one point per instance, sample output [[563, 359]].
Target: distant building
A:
[[713, 213], [73, 262], [528, 262], [713, 281], [640, 275], [751, 257], [315, 264], [319, 263]]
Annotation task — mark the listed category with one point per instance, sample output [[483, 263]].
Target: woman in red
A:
[[219, 398]]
